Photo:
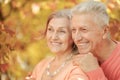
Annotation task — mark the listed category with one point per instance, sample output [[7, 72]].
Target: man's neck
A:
[[106, 49]]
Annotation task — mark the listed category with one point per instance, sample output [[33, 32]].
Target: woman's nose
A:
[[54, 35]]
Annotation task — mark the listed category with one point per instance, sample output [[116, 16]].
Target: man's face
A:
[[86, 34]]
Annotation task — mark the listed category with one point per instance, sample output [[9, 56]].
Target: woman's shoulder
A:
[[74, 71], [73, 64], [44, 61], [38, 69], [75, 60]]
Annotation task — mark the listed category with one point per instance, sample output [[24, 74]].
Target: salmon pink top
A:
[[69, 72], [111, 66]]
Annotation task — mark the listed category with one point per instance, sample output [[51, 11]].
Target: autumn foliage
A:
[[21, 47]]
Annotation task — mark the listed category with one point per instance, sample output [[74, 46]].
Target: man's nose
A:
[[77, 36]]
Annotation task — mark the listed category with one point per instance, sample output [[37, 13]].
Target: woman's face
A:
[[58, 35]]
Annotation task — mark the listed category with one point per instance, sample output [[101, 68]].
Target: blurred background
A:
[[22, 22]]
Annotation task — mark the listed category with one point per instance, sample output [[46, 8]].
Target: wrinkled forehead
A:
[[59, 23], [91, 17]]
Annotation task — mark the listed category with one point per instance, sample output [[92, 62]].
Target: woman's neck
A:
[[60, 57]]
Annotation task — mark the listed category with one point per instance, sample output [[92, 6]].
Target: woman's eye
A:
[[49, 29], [73, 30]]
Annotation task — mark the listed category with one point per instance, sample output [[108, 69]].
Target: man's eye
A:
[[62, 31], [84, 30]]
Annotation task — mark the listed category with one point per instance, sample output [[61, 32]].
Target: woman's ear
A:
[[105, 32]]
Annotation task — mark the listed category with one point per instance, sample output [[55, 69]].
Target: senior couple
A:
[[81, 42]]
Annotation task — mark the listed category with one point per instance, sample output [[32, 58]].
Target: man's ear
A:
[[105, 32]]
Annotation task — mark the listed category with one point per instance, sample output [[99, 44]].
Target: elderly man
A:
[[90, 31]]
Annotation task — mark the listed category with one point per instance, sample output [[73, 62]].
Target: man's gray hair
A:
[[98, 9]]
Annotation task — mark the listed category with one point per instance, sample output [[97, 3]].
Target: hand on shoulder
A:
[[87, 62]]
